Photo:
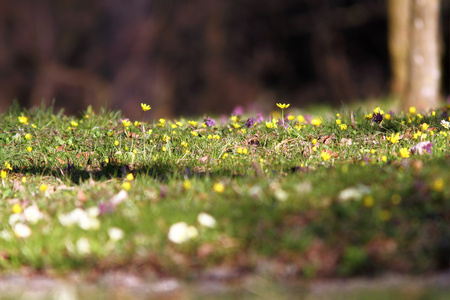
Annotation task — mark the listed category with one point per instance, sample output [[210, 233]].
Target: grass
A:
[[328, 195]]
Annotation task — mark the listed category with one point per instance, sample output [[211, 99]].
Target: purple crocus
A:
[[377, 118], [250, 122]]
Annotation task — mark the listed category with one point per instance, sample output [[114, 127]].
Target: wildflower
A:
[[137, 123], [74, 124], [181, 232], [422, 147], [219, 187], [192, 123], [291, 117], [17, 209], [126, 186], [22, 230], [29, 149], [384, 215], [250, 122], [325, 155], [209, 122], [368, 201], [314, 141], [130, 177], [8, 166], [433, 113], [377, 118], [316, 122], [301, 119], [115, 234], [164, 149], [445, 124], [184, 144], [343, 126], [4, 174], [194, 133], [283, 106], [43, 187], [187, 184], [161, 122], [394, 138], [28, 136], [236, 125], [145, 107], [126, 122], [206, 220], [384, 158], [234, 119], [412, 110], [24, 179], [438, 185], [23, 120], [369, 116], [33, 214], [425, 126], [116, 143], [404, 152], [378, 110], [338, 122], [216, 137], [83, 246], [387, 116], [271, 125]]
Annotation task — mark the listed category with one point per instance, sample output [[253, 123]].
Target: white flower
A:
[[83, 246], [33, 214], [115, 233], [14, 218], [83, 219], [353, 193], [445, 124], [6, 235], [93, 211], [119, 197], [206, 220], [22, 230], [180, 232], [88, 223], [281, 195]]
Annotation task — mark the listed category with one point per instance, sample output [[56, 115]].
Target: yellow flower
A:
[[29, 149], [368, 201], [404, 152], [145, 107], [218, 187], [8, 166], [234, 119], [283, 106], [291, 117], [369, 116], [28, 136], [43, 187], [412, 110], [130, 177], [74, 124], [23, 120], [187, 184], [137, 123], [194, 133], [314, 141], [433, 113], [438, 185], [126, 122], [394, 138], [301, 119], [270, 125], [378, 110], [116, 143], [425, 126], [24, 179], [192, 123], [17, 209], [161, 122], [4, 174], [126, 186], [184, 144], [338, 122], [384, 158], [343, 126], [164, 149], [387, 116], [325, 155], [385, 215], [316, 122]]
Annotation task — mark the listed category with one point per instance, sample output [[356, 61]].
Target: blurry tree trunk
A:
[[399, 15], [422, 90]]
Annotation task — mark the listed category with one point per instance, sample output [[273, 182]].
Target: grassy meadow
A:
[[338, 193]]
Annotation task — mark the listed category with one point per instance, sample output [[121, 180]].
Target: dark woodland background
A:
[[193, 57]]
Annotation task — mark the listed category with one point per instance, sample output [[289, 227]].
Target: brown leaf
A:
[[203, 159], [346, 142], [61, 148], [60, 160], [332, 153]]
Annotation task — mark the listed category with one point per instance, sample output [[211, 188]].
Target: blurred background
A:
[[193, 57]]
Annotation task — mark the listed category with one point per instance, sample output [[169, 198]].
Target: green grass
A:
[[315, 200]]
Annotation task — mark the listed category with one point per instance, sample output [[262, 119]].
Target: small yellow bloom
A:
[[369, 116], [161, 122], [8, 166], [291, 117], [325, 155], [412, 110], [187, 184], [28, 136], [43, 187], [218, 187], [283, 106], [145, 107], [425, 126], [387, 116], [404, 152], [34, 126], [378, 110], [301, 119], [192, 123], [24, 179], [130, 177], [4, 174], [116, 143], [270, 125], [394, 138], [194, 133], [438, 185], [433, 113], [126, 186], [23, 120], [385, 215], [29, 149], [316, 122], [126, 122], [343, 126], [17, 209], [164, 149], [338, 122], [137, 123], [314, 141], [74, 124], [368, 201]]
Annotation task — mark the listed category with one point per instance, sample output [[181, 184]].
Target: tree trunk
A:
[[399, 12], [424, 69]]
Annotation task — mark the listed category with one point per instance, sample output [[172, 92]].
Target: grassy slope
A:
[[308, 200]]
